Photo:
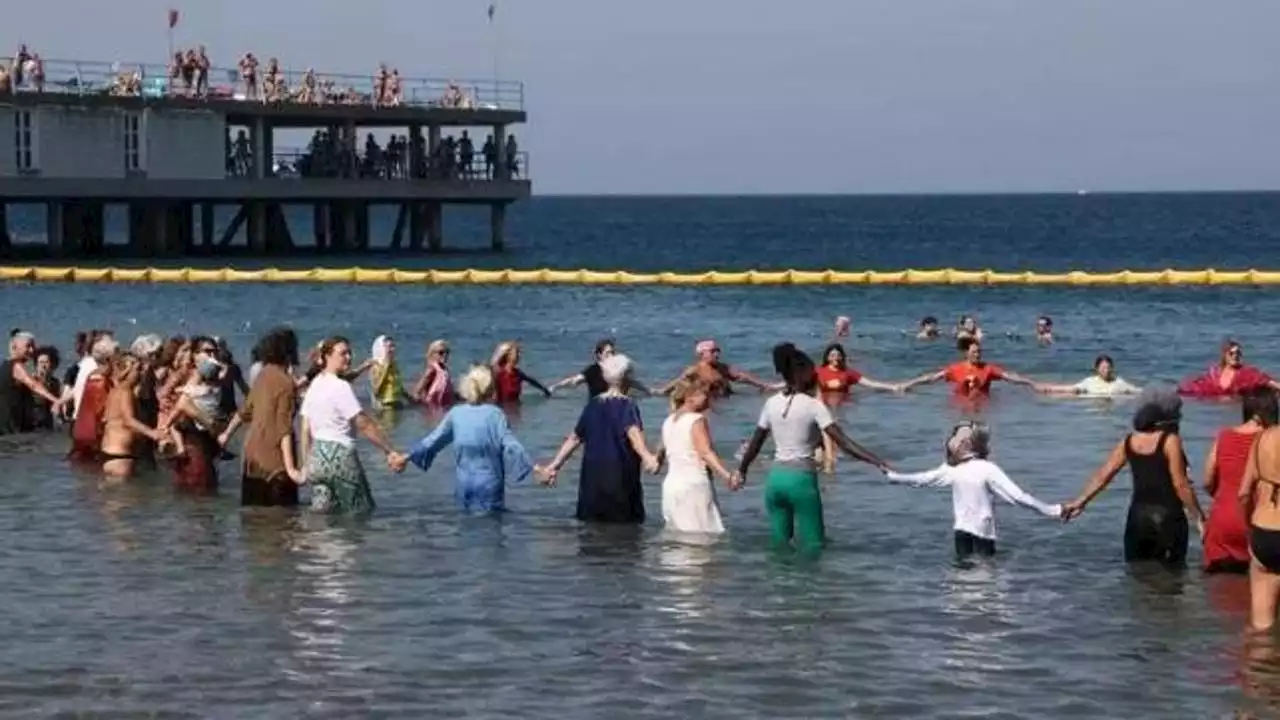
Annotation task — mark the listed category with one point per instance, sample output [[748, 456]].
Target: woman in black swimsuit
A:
[[1157, 526], [1260, 496]]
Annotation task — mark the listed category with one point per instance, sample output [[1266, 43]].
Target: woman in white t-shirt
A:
[[973, 480], [1102, 383], [797, 421], [330, 416]]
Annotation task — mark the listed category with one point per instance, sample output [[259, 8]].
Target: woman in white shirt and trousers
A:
[[973, 480]]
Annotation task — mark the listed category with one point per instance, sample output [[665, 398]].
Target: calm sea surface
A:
[[132, 601]]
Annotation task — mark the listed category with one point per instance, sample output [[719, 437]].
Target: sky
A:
[[796, 96]]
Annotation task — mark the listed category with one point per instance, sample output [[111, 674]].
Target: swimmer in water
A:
[[1044, 330], [973, 480], [1163, 499], [928, 329], [842, 328], [971, 377], [715, 373], [967, 328], [1102, 383]]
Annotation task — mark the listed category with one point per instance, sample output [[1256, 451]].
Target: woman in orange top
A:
[[970, 377], [835, 383]]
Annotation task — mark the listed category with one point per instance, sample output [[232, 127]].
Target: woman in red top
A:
[[507, 375], [970, 377], [836, 379], [90, 422], [1226, 534], [1230, 377]]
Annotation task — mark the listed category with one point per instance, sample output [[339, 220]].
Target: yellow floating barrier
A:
[[546, 276]]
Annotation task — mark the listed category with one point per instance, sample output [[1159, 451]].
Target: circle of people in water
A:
[[173, 401]]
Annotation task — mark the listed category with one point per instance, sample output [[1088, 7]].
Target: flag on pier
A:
[[173, 18]]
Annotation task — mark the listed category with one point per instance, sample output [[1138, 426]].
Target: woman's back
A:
[[1266, 492], [677, 438], [603, 426], [1226, 539], [1152, 479]]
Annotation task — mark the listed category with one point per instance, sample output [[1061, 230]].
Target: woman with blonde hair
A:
[[435, 387], [688, 495], [508, 378], [487, 455], [122, 427]]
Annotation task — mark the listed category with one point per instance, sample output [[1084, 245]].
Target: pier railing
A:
[[300, 163], [79, 77]]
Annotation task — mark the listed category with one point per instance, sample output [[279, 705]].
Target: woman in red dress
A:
[[1226, 535], [1230, 377], [90, 420]]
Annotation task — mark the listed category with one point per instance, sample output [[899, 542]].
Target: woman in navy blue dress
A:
[[611, 435]]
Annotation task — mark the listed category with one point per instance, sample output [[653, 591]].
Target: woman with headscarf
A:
[[796, 420], [487, 455], [1226, 533], [1156, 528], [385, 389], [973, 480], [611, 434]]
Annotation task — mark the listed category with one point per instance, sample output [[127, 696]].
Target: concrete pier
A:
[[166, 166]]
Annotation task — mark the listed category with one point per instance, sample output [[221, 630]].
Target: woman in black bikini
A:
[[1157, 526], [120, 438], [1260, 495]]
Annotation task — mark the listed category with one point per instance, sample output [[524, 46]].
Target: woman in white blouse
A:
[[973, 480], [1102, 383], [330, 416]]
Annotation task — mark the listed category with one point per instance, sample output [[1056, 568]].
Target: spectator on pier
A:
[[466, 155], [380, 81], [308, 93], [395, 89], [249, 74], [175, 71], [35, 70], [18, 72], [490, 152], [190, 65], [513, 157], [202, 72], [6, 81]]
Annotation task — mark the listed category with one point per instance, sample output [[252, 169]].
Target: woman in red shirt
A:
[[971, 377], [1226, 534], [1229, 377], [507, 375], [836, 379]]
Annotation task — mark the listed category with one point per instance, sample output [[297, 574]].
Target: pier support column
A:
[[435, 226], [262, 148], [350, 226], [417, 228], [206, 224], [55, 228], [320, 226], [257, 228], [93, 229], [497, 226], [6, 242], [352, 146], [361, 212]]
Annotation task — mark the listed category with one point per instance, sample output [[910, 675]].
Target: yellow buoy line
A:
[[623, 277]]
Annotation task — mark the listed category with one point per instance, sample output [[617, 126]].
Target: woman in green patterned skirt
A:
[[331, 415]]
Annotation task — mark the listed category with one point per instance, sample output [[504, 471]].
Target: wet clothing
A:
[[196, 471], [593, 376], [794, 504], [509, 382], [42, 417], [486, 455], [973, 483], [17, 403], [1266, 548], [968, 544], [1157, 527], [269, 411], [337, 479], [609, 488], [1209, 385], [837, 381], [969, 379], [90, 421], [1226, 534]]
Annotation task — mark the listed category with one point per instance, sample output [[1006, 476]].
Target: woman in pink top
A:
[[1230, 377], [435, 387]]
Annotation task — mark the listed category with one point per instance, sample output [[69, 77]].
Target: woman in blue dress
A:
[[486, 454], [611, 434]]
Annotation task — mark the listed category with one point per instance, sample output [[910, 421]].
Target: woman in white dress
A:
[[688, 496]]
